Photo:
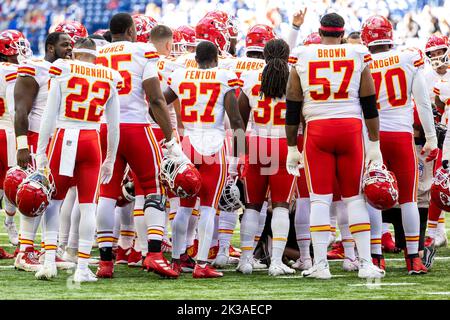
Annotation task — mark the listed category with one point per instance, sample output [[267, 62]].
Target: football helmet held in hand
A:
[[180, 176], [380, 187], [440, 189], [14, 177], [34, 194], [128, 191], [230, 199]]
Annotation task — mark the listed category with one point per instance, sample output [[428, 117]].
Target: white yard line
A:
[[439, 293], [382, 284]]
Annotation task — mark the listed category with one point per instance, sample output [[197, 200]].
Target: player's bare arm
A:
[[367, 97], [158, 105], [294, 100], [25, 91], [236, 122], [244, 108]]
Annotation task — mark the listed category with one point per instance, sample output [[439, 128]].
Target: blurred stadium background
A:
[[414, 20]]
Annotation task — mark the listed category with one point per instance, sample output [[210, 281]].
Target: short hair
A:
[[332, 20], [206, 51], [85, 43], [354, 35], [120, 23], [96, 36], [107, 36], [52, 39], [160, 32]]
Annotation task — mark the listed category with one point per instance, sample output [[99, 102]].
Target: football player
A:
[[13, 47], [334, 75], [437, 54], [30, 100], [136, 62], [206, 94], [74, 29], [80, 92], [398, 75], [263, 95]]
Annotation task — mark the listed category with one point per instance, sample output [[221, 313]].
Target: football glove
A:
[[373, 152], [106, 171], [430, 148], [294, 161], [174, 149]]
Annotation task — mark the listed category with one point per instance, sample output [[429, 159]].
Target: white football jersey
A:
[[187, 60], [393, 73], [267, 115], [8, 76], [240, 65], [86, 89], [432, 77], [330, 77], [166, 65], [38, 70], [136, 62], [201, 93]]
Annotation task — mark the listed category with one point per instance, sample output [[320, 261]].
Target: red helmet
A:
[[144, 24], [34, 194], [380, 187], [181, 177], [188, 34], [258, 36], [13, 42], [74, 29], [377, 30], [313, 38], [440, 189], [437, 42], [213, 30], [226, 19], [14, 177], [178, 45]]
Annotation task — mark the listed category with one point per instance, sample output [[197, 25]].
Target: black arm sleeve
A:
[[293, 110], [369, 106]]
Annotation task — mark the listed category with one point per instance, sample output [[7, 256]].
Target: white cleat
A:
[[318, 271], [350, 265], [302, 265], [221, 260], [47, 271], [279, 269], [61, 263], [94, 262], [70, 255], [440, 239], [368, 270], [84, 275], [245, 266], [13, 235], [258, 265]]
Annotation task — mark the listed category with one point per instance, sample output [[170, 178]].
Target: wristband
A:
[[22, 142], [295, 27], [293, 149]]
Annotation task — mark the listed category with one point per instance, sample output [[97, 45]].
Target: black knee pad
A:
[[157, 201]]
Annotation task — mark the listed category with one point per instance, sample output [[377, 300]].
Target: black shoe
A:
[[428, 256]]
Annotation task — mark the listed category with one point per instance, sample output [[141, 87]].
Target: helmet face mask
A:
[[440, 189], [74, 29], [230, 198]]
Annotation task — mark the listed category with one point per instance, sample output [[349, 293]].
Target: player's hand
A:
[[174, 149], [41, 162], [23, 157], [294, 161], [243, 166], [431, 149], [299, 17], [233, 163], [373, 152], [106, 171]]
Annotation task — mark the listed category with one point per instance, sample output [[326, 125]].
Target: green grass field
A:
[[137, 284]]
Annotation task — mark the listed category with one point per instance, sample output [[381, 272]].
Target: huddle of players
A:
[[328, 84]]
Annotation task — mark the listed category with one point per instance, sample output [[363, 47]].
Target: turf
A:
[[133, 283]]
